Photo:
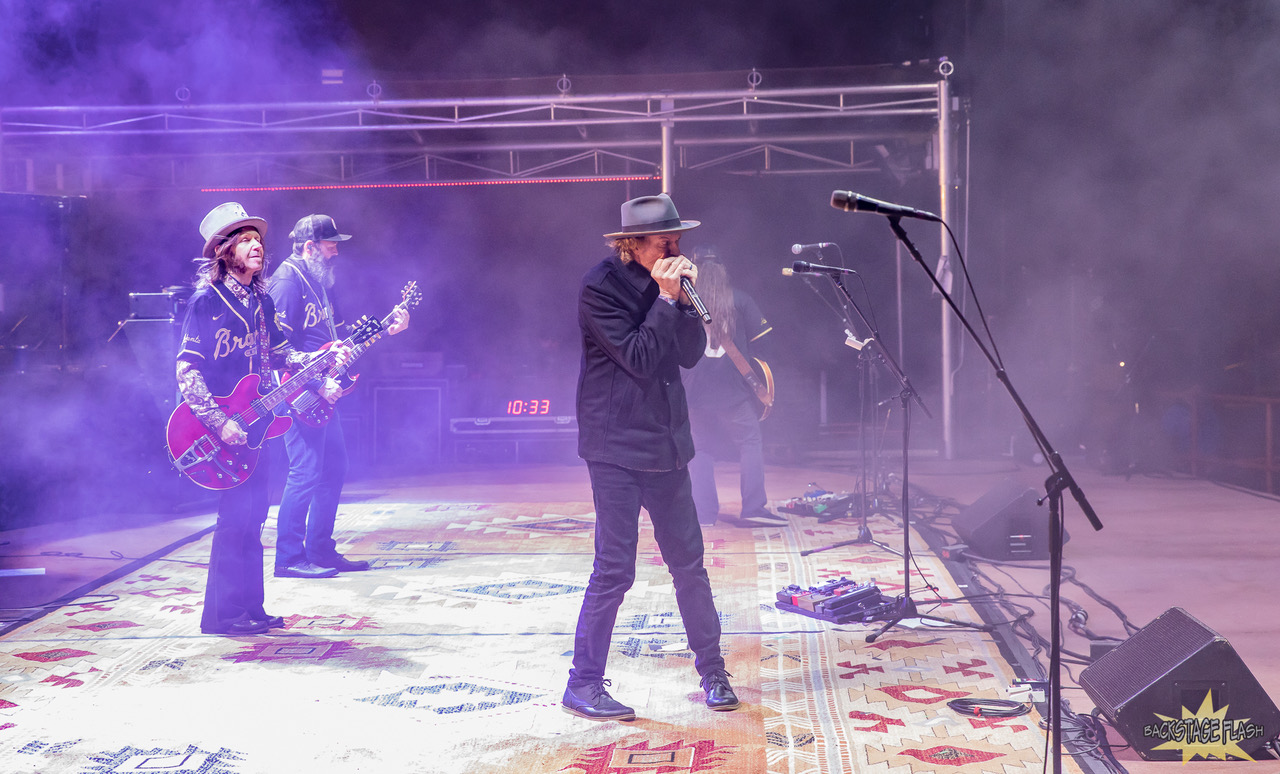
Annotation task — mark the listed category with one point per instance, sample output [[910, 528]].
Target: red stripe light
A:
[[438, 184]]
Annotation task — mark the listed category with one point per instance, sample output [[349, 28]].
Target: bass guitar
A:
[[200, 455], [758, 376], [314, 411]]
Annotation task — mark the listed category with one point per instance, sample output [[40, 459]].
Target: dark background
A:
[[1122, 168]]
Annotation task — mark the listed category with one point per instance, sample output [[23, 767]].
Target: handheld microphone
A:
[[797, 249], [804, 267], [854, 202], [698, 306]]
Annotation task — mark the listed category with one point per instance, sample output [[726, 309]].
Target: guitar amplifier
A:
[[395, 364], [169, 304], [407, 423]]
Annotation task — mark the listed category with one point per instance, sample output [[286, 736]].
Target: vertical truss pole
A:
[[668, 157], [944, 209]]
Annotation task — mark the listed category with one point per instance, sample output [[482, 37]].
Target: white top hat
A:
[[225, 219]]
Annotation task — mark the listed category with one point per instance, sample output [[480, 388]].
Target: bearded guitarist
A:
[[301, 288], [729, 393], [230, 333]]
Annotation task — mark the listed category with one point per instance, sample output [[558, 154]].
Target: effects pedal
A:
[[826, 506], [840, 601]]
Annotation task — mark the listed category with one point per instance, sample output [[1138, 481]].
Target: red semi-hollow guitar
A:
[[311, 409], [200, 454]]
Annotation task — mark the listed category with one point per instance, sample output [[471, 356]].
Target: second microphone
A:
[[804, 267]]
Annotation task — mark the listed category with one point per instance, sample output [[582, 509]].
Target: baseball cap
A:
[[316, 228]]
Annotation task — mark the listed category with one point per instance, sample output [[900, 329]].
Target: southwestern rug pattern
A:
[[452, 653]]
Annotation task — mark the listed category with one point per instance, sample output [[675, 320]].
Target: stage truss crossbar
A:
[[799, 130]]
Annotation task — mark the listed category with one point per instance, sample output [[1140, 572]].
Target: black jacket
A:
[[632, 410]]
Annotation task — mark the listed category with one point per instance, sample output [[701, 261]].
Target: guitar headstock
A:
[[364, 329], [410, 296]]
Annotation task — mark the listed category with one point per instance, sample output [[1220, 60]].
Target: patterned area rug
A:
[[452, 653]]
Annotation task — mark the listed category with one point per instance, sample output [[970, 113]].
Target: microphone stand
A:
[[905, 607], [866, 377], [1060, 479]]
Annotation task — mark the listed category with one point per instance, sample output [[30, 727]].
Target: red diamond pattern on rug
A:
[[947, 755], [59, 654], [102, 626], [921, 694]]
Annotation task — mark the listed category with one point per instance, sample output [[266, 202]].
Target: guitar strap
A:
[[264, 338], [736, 356], [742, 364], [252, 297]]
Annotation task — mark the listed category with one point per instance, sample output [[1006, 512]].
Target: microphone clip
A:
[[853, 341]]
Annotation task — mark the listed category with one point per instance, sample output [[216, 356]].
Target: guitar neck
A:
[[266, 404], [364, 346]]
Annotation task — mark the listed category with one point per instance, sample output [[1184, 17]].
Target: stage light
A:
[[428, 184]]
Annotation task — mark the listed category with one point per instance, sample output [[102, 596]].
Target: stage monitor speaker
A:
[[407, 420], [1152, 688], [155, 344], [1006, 524]]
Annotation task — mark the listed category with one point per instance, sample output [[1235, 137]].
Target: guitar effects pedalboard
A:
[[840, 601], [826, 506]]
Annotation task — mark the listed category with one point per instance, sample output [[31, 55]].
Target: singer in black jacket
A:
[[638, 329]]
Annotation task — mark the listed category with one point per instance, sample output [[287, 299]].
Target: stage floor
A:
[[452, 652]]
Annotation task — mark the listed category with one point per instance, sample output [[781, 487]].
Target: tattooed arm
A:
[[286, 358], [196, 393]]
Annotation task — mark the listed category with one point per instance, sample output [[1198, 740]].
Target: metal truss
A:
[[478, 140]]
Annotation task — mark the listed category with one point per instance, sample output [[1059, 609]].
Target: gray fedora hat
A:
[[651, 215]]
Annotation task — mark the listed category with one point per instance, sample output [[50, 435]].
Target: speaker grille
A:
[[1158, 648]]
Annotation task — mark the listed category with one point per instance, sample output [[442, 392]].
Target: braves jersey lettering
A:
[[225, 344], [313, 315]]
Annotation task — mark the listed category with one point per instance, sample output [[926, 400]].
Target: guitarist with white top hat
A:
[[230, 344]]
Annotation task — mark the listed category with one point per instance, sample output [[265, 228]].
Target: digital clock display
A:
[[524, 408]]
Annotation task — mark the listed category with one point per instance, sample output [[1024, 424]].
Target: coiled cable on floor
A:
[[989, 708]]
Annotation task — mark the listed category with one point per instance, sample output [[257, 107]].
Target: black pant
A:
[[235, 589], [619, 495]]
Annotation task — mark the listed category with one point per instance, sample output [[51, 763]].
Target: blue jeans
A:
[[619, 495], [740, 423], [309, 504]]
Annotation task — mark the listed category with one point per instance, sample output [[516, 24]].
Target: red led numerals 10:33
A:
[[528, 407]]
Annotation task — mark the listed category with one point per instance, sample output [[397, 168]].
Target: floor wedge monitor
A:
[[1176, 690], [1006, 524]]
